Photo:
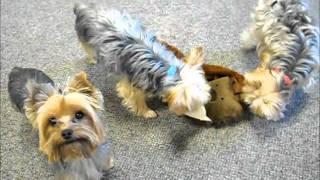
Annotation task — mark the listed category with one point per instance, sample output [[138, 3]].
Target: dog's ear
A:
[[37, 95], [195, 57], [81, 84]]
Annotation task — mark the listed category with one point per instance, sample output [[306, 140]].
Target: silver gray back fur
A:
[[127, 48], [88, 168], [287, 30]]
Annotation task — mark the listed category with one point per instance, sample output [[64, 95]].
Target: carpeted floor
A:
[[40, 34]]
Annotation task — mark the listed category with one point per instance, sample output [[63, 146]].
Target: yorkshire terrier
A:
[[287, 45], [145, 66], [68, 122]]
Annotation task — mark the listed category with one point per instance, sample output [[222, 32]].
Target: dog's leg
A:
[[134, 99], [248, 38], [90, 54]]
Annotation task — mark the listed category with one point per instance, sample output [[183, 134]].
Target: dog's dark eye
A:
[[79, 115], [52, 121]]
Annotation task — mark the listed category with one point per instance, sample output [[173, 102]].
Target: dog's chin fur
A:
[[80, 148], [192, 91], [85, 168]]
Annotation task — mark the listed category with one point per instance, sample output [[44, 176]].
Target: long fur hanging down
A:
[[285, 28], [127, 49], [287, 41], [86, 168]]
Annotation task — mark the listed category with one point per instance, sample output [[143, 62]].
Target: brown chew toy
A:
[[229, 87], [224, 104], [213, 72]]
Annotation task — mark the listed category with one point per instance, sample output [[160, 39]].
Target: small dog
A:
[[68, 123], [287, 45], [145, 66]]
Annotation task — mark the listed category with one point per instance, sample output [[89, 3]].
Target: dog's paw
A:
[[150, 114], [110, 163]]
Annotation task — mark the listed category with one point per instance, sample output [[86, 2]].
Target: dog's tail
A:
[[21, 80], [96, 22], [85, 21]]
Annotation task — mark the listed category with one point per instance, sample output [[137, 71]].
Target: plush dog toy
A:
[[226, 86], [224, 103]]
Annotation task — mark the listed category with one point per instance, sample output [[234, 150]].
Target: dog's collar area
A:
[[286, 78], [153, 38], [172, 71]]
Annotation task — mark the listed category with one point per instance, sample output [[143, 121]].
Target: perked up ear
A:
[[195, 57], [37, 95], [81, 84]]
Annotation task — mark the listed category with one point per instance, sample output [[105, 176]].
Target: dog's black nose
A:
[[67, 134]]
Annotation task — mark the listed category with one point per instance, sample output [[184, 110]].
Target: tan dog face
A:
[[69, 126], [261, 91]]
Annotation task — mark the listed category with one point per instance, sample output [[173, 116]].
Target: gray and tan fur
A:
[[29, 89], [87, 168], [286, 39], [145, 65]]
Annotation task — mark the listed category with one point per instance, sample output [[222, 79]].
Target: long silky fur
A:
[[86, 168], [30, 88], [285, 31], [285, 28], [128, 49]]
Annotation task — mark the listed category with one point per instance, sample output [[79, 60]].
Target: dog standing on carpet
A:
[[145, 66], [68, 122], [287, 45]]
